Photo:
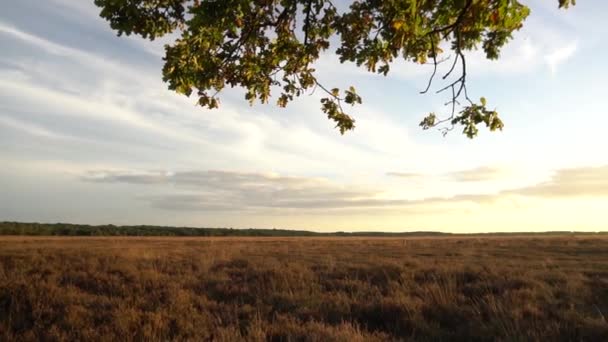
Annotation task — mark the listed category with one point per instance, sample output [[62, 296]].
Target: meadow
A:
[[510, 288]]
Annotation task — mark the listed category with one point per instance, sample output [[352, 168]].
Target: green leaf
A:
[[257, 45]]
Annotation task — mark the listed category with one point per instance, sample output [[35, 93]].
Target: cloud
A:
[[37, 41], [237, 191], [407, 175], [519, 56], [523, 55], [560, 55], [214, 190], [108, 98], [584, 181], [84, 9], [479, 174], [565, 183], [31, 129]]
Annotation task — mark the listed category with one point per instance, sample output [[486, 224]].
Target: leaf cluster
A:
[[267, 46]]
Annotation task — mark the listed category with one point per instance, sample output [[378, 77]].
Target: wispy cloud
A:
[[479, 174], [227, 190], [32, 129], [212, 190], [560, 56], [37, 41], [565, 183], [583, 181], [85, 86], [406, 175]]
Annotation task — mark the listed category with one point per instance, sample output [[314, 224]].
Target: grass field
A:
[[542, 288]]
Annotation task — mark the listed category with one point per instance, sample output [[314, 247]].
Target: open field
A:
[[319, 289]]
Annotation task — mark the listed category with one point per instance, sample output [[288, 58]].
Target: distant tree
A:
[[261, 44]]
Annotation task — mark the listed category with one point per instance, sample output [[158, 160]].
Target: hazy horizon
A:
[[89, 134]]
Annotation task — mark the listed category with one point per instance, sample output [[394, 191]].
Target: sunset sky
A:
[[89, 133]]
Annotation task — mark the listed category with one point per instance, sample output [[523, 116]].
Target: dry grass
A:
[[313, 289]]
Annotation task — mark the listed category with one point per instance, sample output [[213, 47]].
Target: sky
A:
[[90, 134]]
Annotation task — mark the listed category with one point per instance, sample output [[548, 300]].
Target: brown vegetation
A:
[[313, 289]]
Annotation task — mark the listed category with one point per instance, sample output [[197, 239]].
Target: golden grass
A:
[[310, 289]]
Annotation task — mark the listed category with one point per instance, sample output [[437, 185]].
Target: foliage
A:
[[303, 289], [264, 45]]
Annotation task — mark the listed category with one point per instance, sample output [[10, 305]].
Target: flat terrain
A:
[[292, 289]]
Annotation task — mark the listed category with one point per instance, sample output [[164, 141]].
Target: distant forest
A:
[[65, 229]]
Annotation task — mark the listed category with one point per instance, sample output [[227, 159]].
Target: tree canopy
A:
[[272, 45]]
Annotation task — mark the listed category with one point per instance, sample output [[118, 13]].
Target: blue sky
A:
[[90, 134]]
